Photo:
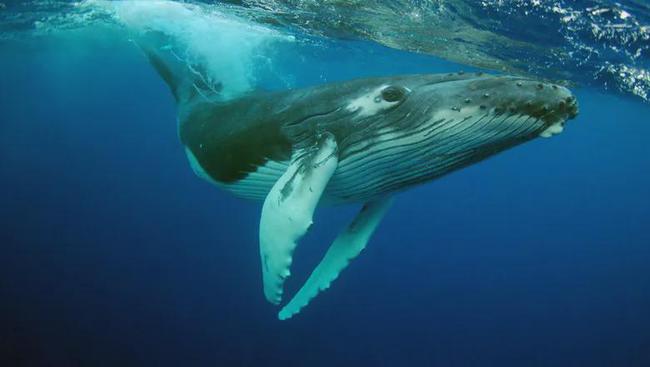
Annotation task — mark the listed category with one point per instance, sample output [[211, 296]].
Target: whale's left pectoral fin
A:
[[288, 209], [347, 245]]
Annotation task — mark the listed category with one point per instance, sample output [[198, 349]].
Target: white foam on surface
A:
[[226, 45]]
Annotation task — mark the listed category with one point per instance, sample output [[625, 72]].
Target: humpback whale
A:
[[358, 141]]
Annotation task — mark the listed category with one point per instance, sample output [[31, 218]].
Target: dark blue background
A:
[[114, 254]]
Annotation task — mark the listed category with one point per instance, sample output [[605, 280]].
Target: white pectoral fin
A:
[[288, 209], [345, 247]]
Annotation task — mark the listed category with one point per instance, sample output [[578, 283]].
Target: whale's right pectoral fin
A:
[[288, 209], [347, 245]]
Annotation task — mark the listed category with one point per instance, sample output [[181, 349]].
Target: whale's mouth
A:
[[552, 130], [566, 109]]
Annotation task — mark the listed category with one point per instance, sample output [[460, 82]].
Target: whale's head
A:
[[485, 109], [461, 111], [510, 107], [413, 128]]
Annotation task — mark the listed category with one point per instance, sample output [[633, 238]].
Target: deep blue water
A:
[[115, 254]]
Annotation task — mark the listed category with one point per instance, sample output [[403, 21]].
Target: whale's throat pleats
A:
[[398, 159]]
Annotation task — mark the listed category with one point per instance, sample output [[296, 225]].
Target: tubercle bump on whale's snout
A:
[[549, 105], [548, 102], [557, 102], [515, 95]]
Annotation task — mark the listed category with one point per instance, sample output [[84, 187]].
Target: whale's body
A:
[[246, 145], [354, 141]]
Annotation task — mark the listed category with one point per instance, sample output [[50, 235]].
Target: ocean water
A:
[[113, 253]]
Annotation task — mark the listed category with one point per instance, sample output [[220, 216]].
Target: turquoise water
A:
[[115, 253]]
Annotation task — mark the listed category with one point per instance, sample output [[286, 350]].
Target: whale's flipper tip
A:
[[347, 245]]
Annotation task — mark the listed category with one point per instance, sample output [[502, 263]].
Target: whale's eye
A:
[[393, 94]]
